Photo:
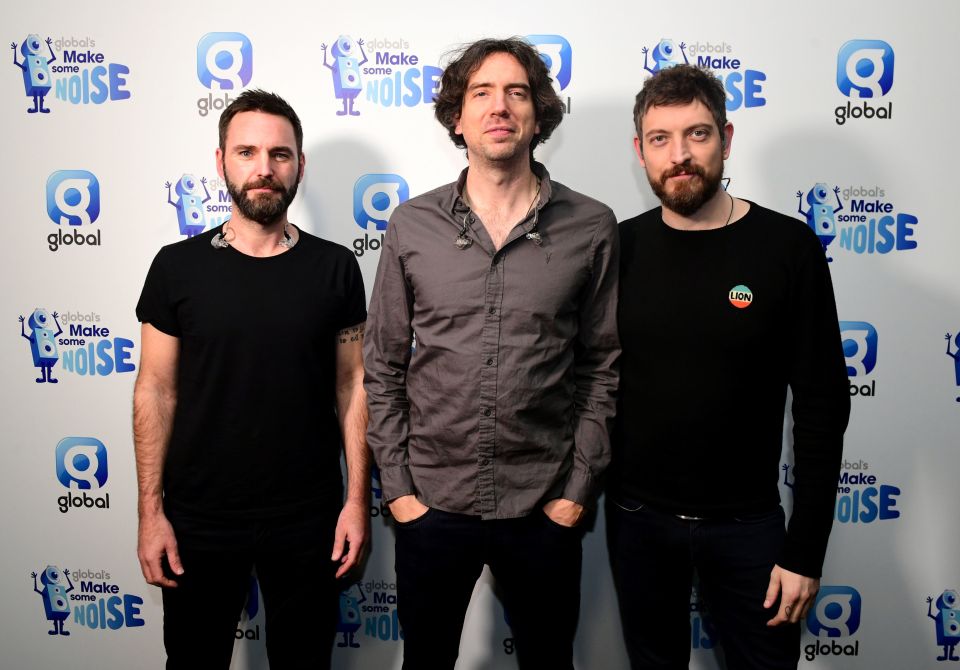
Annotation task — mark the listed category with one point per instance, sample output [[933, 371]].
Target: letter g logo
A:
[[224, 61], [81, 463], [836, 613], [73, 197], [865, 68], [375, 196]]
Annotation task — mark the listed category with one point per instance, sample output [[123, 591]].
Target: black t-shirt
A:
[[714, 326], [255, 430]]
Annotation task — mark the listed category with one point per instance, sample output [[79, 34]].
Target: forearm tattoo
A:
[[354, 334]]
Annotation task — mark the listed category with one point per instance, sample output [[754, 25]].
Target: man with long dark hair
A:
[[491, 437]]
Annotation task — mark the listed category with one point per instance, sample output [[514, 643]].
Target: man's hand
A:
[[564, 512], [156, 540], [407, 508], [798, 593], [352, 537]]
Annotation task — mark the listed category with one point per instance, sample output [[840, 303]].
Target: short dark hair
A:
[[258, 100], [680, 85], [466, 60]]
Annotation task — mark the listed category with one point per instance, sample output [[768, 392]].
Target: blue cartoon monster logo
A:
[[189, 204], [665, 55], [947, 621], [36, 70], [821, 216], [43, 343], [56, 606], [346, 71], [956, 359], [348, 621]]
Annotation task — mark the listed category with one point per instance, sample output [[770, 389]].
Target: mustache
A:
[[264, 182], [684, 168]]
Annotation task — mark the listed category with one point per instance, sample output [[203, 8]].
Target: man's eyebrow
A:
[[487, 84]]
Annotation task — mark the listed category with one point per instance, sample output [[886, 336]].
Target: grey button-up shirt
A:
[[490, 375]]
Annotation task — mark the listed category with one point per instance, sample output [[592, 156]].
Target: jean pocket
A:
[[560, 526], [414, 521]]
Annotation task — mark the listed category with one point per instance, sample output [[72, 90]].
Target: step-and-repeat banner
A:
[[844, 119]]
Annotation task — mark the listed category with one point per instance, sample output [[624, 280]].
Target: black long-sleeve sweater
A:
[[714, 326]]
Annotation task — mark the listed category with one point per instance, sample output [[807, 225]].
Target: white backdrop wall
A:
[[133, 105]]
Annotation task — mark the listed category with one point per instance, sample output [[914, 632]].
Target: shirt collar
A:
[[457, 206]]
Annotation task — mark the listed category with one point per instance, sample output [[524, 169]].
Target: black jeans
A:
[[536, 563], [300, 594], [653, 556]]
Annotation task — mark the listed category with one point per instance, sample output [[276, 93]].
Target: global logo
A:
[[744, 86], [224, 63], [859, 347], [73, 199], [81, 463], [864, 70], [81, 466], [85, 76], [557, 56], [835, 614], [375, 197], [396, 77], [859, 340], [741, 296], [248, 628]]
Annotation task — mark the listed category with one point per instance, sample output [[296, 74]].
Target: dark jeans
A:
[[654, 554], [536, 563], [300, 594]]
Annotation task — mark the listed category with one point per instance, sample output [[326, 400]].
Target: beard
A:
[[265, 209], [688, 196]]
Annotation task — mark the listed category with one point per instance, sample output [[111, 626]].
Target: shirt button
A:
[[489, 361], [485, 411], [492, 310], [482, 462]]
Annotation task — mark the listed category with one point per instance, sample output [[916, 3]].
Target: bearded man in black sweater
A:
[[723, 305]]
